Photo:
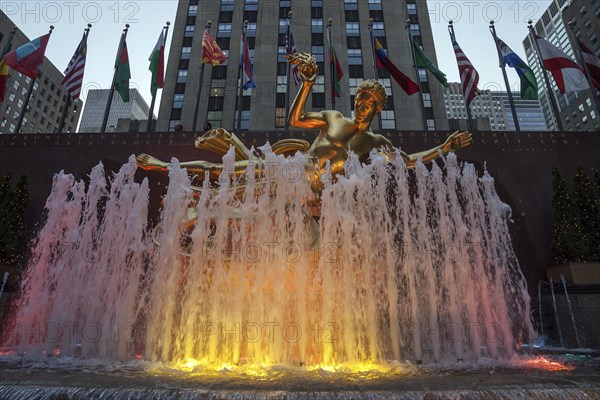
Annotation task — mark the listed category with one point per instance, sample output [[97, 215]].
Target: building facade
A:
[[529, 112], [577, 110], [95, 106], [492, 111], [264, 107], [47, 103]]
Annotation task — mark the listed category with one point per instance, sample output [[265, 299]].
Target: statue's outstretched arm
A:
[[308, 72], [456, 141]]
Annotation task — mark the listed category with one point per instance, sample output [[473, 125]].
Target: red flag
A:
[[382, 61], [469, 77], [567, 74], [211, 52], [27, 58], [592, 62], [3, 79]]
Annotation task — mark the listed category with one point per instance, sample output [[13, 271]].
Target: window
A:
[[192, 10], [318, 100], [20, 103], [352, 29], [3, 123], [16, 85], [12, 128], [182, 76], [189, 30], [185, 53], [12, 97], [317, 25], [354, 56], [178, 101], [224, 30], [427, 99]]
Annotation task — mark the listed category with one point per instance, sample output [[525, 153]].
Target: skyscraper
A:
[[264, 107], [577, 110], [95, 105]]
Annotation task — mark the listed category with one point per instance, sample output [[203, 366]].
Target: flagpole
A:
[[551, 95], [375, 74], [331, 66], [240, 100], [114, 81], [470, 124], [29, 93], [150, 124], [199, 92], [503, 67], [287, 75], [63, 117], [414, 58], [583, 64]]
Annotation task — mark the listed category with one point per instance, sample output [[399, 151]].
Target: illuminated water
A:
[[402, 265]]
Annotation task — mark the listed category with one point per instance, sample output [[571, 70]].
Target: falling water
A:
[[4, 281], [556, 314], [402, 265], [540, 308], [564, 282]]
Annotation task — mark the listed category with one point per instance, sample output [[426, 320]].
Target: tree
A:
[[566, 242], [588, 213], [13, 229]]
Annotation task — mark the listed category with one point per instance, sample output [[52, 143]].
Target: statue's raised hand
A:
[[307, 65], [457, 141]]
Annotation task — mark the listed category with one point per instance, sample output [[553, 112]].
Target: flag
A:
[[27, 58], [4, 67], [469, 77], [424, 62], [211, 52], [290, 48], [382, 61], [123, 73], [157, 64], [568, 75], [3, 79], [529, 87], [336, 71], [592, 62], [73, 79], [246, 64]]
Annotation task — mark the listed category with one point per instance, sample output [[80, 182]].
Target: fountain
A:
[[255, 278]]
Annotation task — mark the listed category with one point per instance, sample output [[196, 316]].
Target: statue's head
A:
[[369, 100]]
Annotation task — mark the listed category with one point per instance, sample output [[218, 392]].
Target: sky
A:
[[146, 18]]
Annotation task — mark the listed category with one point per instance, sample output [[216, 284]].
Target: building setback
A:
[[49, 97], [577, 109], [264, 108], [95, 106]]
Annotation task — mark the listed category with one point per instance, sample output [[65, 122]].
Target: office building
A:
[[264, 107], [95, 105], [576, 109], [48, 99], [529, 112]]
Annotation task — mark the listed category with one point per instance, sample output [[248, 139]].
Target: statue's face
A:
[[365, 107]]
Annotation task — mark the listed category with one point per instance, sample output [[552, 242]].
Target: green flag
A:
[[424, 62], [123, 74]]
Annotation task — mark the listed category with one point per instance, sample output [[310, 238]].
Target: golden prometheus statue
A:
[[338, 137]]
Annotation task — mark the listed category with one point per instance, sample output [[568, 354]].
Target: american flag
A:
[[468, 74], [74, 73], [290, 48]]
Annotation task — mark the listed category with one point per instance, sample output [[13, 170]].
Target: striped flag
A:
[[157, 64], [468, 74], [73, 79], [290, 48], [246, 64], [383, 61], [592, 62]]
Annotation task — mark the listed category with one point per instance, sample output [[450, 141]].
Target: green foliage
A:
[[575, 218], [585, 197], [13, 229]]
